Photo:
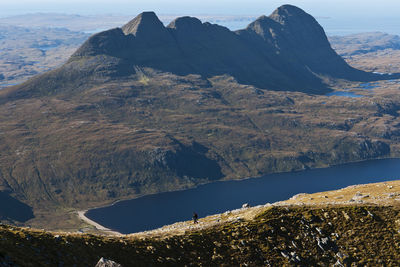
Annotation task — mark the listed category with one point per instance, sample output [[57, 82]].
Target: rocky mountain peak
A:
[[144, 23], [289, 24], [185, 24], [289, 13], [300, 27]]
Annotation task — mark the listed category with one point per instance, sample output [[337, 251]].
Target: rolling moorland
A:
[[41, 50], [117, 122], [374, 51]]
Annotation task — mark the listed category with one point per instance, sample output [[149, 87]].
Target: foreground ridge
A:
[[279, 236], [285, 233]]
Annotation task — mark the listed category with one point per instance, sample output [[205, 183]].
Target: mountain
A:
[[146, 108], [286, 51]]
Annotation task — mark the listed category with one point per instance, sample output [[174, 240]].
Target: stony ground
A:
[[382, 194]]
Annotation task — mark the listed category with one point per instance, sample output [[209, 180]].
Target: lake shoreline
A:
[[354, 195], [103, 228], [82, 216]]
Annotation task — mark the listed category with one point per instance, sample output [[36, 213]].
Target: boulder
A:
[[107, 263]]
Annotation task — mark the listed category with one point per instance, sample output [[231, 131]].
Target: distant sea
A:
[[332, 26], [345, 26]]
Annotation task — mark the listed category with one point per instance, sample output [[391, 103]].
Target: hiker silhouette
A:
[[195, 217]]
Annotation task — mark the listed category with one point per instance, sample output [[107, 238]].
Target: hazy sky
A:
[[334, 8], [338, 17]]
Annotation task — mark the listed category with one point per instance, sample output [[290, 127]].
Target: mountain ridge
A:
[[286, 51]]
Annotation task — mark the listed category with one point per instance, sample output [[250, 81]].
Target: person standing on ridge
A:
[[195, 217]]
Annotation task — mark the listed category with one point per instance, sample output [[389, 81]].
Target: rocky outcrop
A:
[[188, 161], [107, 263], [346, 151]]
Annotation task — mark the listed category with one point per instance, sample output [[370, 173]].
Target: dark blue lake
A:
[[154, 211]]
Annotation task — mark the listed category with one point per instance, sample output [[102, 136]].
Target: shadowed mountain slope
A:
[[294, 43]]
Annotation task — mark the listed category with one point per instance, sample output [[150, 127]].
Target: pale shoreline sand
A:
[[81, 215]]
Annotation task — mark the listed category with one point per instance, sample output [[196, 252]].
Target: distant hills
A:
[[148, 108], [363, 43]]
